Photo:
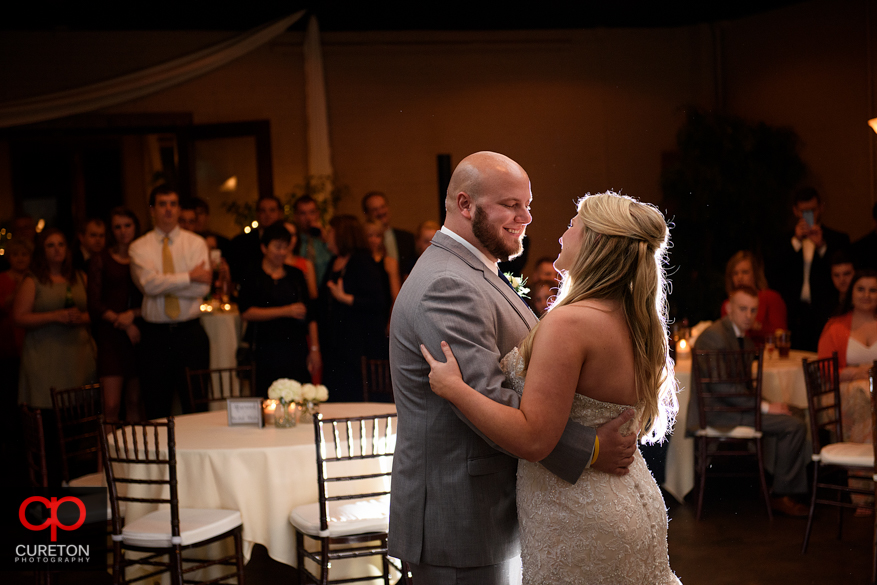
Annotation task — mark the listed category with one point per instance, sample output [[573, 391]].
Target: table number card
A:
[[245, 412]]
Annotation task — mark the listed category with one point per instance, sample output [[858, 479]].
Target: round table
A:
[[782, 380], [264, 473]]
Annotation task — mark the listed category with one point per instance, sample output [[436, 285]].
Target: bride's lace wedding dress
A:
[[604, 528]]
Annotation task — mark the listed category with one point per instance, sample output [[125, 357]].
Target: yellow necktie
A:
[[171, 303]]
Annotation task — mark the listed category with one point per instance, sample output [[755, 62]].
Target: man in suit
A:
[[399, 244], [785, 435], [92, 237], [801, 272], [453, 513], [246, 249]]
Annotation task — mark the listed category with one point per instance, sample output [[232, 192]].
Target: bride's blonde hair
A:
[[622, 256]]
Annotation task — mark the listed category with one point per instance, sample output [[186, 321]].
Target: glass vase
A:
[[306, 412], [284, 416]]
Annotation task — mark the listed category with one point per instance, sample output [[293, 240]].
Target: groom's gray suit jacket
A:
[[453, 491]]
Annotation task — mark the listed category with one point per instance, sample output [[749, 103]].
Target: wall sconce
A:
[[873, 124]]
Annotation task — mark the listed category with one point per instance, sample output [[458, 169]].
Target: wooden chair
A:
[[351, 521], [136, 456], [76, 414], [724, 383], [218, 384], [833, 458], [376, 379], [34, 447]]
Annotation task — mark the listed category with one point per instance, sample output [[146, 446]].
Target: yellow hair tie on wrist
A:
[[596, 449]]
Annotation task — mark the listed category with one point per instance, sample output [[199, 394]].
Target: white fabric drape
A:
[[319, 154], [141, 83]]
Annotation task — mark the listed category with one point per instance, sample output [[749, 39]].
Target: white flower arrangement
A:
[[285, 390], [315, 394]]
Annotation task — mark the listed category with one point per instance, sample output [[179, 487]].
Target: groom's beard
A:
[[492, 241]]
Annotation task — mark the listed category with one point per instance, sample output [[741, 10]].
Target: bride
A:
[[600, 349]]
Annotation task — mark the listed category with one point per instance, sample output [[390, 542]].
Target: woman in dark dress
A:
[[275, 303], [355, 307], [114, 305]]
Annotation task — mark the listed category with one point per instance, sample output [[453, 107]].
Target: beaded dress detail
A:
[[604, 528]]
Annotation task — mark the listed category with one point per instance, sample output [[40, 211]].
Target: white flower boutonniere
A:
[[518, 283]]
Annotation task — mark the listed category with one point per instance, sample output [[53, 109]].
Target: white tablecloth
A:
[[223, 328], [782, 381], [264, 473]]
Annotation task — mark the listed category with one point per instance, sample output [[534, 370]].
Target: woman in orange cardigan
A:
[[853, 335]]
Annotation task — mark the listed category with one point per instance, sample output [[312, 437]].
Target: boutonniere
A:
[[518, 283]]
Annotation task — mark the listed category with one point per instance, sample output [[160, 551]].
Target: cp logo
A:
[[53, 521]]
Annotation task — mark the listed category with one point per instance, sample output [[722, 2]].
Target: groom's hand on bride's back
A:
[[616, 452]]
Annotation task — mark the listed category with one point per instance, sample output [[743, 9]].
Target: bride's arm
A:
[[532, 431]]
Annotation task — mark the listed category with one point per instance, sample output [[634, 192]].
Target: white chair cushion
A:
[[735, 433], [196, 525], [345, 517], [859, 454]]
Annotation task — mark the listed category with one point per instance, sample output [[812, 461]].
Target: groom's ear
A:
[[465, 204]]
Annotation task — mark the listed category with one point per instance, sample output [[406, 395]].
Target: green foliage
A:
[[728, 190]]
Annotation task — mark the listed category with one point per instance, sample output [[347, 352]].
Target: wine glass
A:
[[770, 345]]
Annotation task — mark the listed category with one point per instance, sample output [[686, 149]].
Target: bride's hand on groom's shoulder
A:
[[443, 376], [616, 451]]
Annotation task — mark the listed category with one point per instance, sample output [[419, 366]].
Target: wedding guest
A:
[[18, 254], [353, 310], [374, 233], [303, 264], [398, 243], [544, 270], [864, 250], [842, 270], [188, 217], [245, 249], [114, 303], [92, 239], [275, 301], [853, 335], [221, 272], [51, 306], [311, 236], [425, 233], [540, 293], [171, 267], [23, 229], [744, 269]]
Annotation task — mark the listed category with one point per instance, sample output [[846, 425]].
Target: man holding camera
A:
[[802, 271]]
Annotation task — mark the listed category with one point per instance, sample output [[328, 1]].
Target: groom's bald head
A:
[[478, 172]]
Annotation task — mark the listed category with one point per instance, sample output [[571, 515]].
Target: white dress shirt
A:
[[491, 264], [189, 250], [809, 250]]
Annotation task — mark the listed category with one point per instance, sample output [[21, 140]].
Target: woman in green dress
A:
[[51, 306]]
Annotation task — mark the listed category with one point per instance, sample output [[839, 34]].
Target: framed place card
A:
[[245, 412]]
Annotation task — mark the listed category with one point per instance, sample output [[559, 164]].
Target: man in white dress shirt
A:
[[171, 267]]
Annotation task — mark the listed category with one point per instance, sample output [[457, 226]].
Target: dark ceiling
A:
[[363, 15]]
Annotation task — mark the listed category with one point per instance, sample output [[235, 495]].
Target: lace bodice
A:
[[603, 529]]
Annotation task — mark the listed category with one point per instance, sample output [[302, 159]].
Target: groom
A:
[[453, 513]]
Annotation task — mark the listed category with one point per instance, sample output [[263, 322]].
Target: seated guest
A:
[[274, 301], [425, 233], [544, 270], [303, 264], [787, 432], [374, 233], [353, 310], [540, 293], [92, 238], [853, 335], [864, 250], [842, 270], [114, 303], [743, 269]]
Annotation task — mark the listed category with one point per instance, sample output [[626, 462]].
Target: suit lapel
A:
[[493, 280]]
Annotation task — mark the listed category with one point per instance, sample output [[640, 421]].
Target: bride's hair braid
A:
[[622, 255]]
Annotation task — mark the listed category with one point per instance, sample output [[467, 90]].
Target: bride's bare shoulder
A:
[[588, 313]]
